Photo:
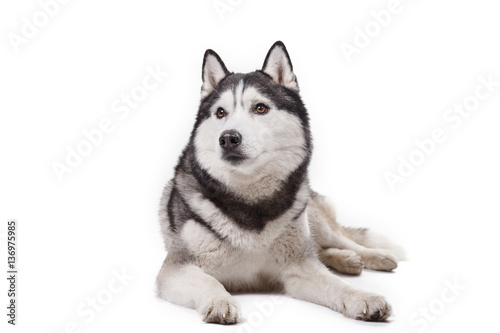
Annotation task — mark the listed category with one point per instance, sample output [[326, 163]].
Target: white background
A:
[[364, 114]]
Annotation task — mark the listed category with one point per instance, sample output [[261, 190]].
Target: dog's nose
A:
[[229, 139]]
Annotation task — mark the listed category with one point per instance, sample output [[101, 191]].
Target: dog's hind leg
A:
[[188, 285], [370, 239], [376, 259], [343, 261], [327, 234]]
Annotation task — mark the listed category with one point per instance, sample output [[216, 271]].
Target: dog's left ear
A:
[[279, 67], [213, 72]]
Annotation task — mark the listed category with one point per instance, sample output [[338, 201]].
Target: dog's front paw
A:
[[221, 310], [379, 260], [366, 306]]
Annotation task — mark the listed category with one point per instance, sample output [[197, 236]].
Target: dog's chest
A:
[[245, 268], [225, 262]]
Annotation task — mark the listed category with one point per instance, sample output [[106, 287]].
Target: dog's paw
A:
[[343, 261], [379, 260], [366, 306], [221, 310], [351, 263]]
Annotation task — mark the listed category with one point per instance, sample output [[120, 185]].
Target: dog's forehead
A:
[[240, 95], [252, 85], [236, 87], [238, 83], [232, 88]]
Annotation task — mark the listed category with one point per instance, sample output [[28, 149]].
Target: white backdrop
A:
[[400, 90]]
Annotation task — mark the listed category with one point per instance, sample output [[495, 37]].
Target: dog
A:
[[239, 214]]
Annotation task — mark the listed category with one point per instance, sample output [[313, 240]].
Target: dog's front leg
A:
[[188, 285], [311, 281]]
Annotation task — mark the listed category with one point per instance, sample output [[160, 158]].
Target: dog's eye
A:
[[261, 108], [220, 113]]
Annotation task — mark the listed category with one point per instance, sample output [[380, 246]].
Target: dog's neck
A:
[[265, 183], [254, 189]]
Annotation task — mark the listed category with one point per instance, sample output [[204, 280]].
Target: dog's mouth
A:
[[234, 157]]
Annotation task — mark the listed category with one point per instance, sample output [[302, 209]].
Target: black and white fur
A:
[[239, 214]]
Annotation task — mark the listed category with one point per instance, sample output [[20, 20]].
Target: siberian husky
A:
[[239, 214]]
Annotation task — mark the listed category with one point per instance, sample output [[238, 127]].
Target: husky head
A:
[[254, 125]]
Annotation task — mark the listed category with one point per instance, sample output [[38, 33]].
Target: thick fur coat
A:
[[239, 214]]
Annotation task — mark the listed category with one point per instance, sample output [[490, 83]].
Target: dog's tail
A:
[[371, 239]]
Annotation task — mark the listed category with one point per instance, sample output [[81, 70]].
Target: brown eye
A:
[[260, 108], [221, 113]]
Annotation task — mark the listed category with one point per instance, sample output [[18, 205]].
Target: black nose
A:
[[229, 139]]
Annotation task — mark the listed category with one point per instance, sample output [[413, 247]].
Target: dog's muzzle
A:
[[230, 143]]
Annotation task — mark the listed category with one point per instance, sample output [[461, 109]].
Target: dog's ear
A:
[[279, 67], [213, 72]]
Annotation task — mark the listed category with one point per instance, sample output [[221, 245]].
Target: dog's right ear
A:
[[279, 67], [213, 72]]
